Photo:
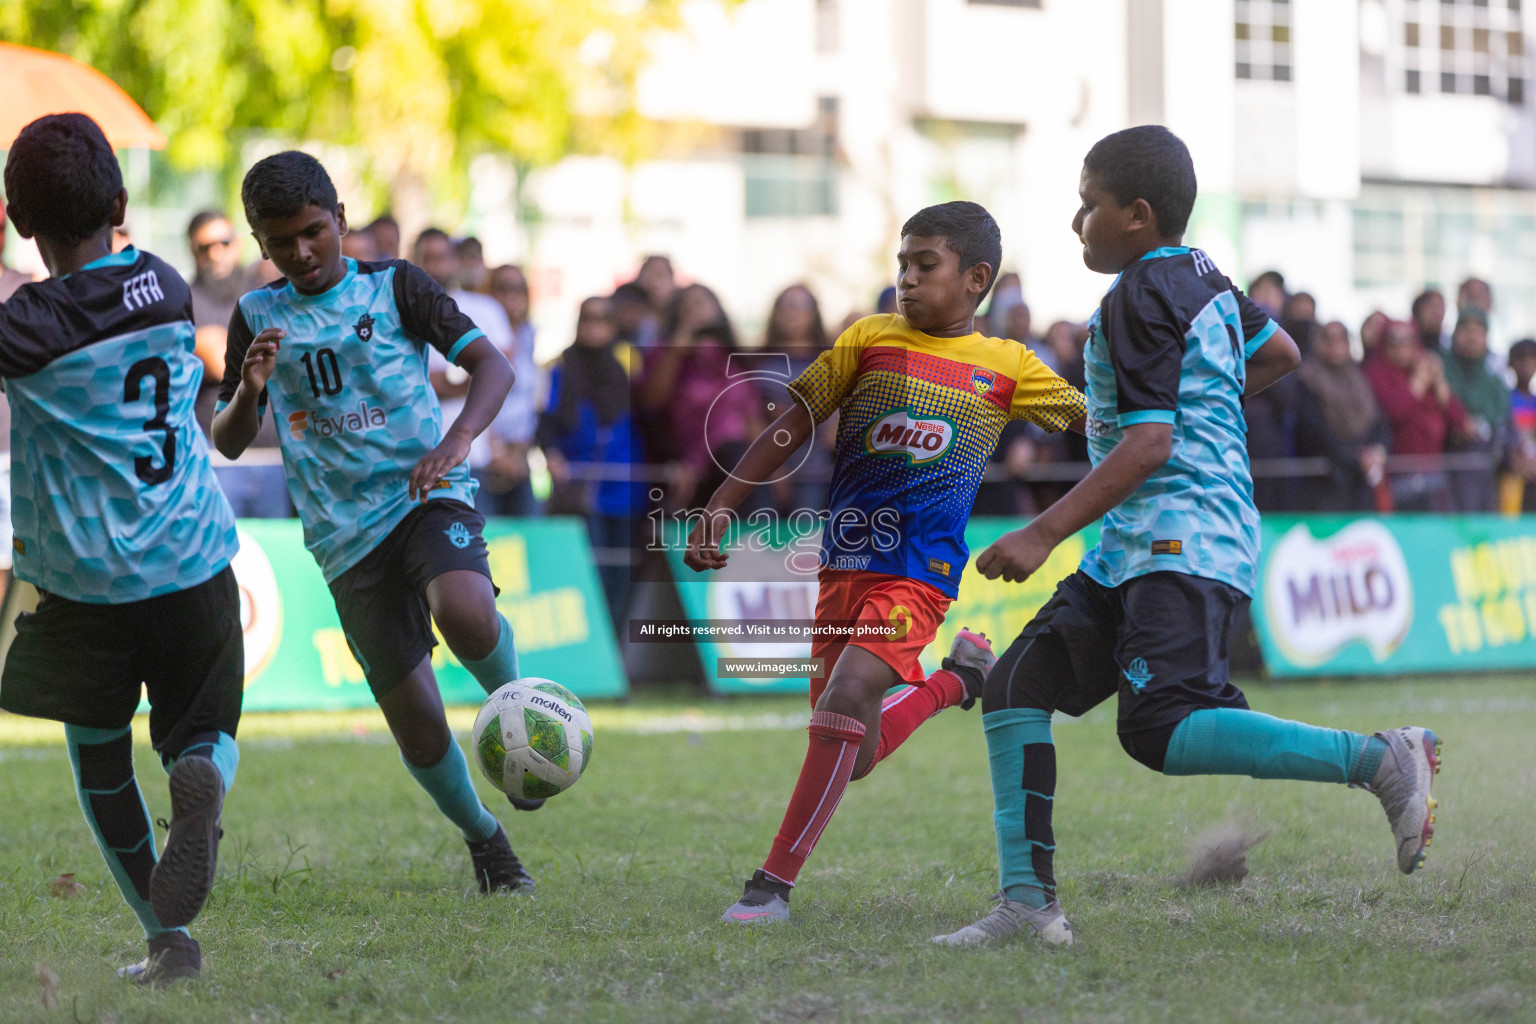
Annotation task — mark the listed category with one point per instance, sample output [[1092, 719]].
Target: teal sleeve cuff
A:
[[1130, 419], [1257, 341], [452, 354], [220, 406]]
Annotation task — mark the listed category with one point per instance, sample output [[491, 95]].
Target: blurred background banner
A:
[[993, 607], [297, 657], [1345, 596]]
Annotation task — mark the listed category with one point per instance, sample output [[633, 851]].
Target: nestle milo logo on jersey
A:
[[922, 439], [365, 417]]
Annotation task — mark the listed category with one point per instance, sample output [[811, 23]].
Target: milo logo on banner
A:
[[1322, 595], [922, 439]]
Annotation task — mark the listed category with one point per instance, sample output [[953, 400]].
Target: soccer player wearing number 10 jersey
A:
[[336, 351], [121, 527]]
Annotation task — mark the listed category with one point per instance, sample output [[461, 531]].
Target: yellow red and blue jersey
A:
[[919, 418]]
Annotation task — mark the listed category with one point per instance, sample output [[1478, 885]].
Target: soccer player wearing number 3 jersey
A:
[[1146, 619], [121, 526], [337, 352]]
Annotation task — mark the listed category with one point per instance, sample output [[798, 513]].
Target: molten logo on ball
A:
[[533, 739]]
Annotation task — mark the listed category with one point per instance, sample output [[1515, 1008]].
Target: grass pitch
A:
[[342, 895]]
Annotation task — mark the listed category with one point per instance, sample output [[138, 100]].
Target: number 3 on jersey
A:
[[144, 465], [328, 380]]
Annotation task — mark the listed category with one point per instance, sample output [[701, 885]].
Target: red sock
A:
[[828, 766], [903, 711]]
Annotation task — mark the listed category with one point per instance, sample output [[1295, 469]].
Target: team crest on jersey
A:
[[458, 535], [364, 328], [982, 379], [922, 439]]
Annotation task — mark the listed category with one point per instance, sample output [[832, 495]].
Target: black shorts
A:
[[83, 664], [382, 599], [1159, 641]]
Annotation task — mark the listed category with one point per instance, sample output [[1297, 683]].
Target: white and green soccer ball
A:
[[533, 738]]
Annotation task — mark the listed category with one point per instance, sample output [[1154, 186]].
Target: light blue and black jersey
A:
[[1170, 344], [112, 496], [354, 405]]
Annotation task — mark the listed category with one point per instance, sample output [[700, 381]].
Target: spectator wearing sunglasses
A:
[[255, 491]]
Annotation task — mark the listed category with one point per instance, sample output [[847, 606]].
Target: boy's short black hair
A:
[[1525, 348], [62, 176], [968, 229], [285, 183], [1147, 162]]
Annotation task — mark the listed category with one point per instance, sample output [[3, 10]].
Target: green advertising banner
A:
[[1400, 594], [297, 657], [738, 593]]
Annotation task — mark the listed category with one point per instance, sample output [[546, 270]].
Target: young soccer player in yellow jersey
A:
[[922, 400]]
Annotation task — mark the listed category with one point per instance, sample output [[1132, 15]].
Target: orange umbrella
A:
[[38, 82]]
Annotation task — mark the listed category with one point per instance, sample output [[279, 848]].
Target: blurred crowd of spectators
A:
[[1409, 414]]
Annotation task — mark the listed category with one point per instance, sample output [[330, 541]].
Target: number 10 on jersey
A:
[[324, 372]]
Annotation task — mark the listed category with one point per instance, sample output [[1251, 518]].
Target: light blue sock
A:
[[102, 763], [1231, 741], [499, 667], [218, 747], [449, 785], [1023, 762]]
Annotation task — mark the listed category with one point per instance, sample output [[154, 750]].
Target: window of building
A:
[[1406, 236], [793, 173], [1470, 47], [1263, 34], [828, 38]]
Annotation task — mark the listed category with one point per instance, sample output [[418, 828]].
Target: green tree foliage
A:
[[417, 87]]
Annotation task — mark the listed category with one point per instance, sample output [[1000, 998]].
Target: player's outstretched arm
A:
[[1143, 449], [234, 428], [783, 437], [1274, 359], [490, 378]]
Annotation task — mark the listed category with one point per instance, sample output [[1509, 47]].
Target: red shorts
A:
[[853, 595]]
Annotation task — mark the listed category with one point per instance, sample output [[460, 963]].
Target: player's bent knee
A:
[[471, 631], [1006, 685]]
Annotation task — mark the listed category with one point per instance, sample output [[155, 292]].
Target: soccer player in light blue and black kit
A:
[[1172, 350], [121, 526], [336, 351]]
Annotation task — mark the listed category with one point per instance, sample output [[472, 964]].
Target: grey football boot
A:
[[1402, 783], [173, 956], [1009, 918], [764, 901]]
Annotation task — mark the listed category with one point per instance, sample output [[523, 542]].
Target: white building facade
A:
[[1364, 148]]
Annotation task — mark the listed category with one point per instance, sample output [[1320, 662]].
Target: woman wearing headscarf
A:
[[588, 422], [1337, 418]]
